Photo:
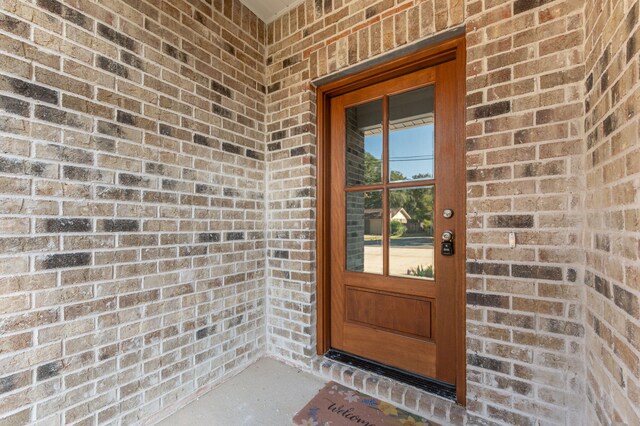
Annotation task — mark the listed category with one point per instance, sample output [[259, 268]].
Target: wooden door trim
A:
[[453, 49]]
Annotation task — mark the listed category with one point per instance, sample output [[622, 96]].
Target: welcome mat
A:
[[336, 405]]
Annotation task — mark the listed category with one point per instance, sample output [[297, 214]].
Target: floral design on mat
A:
[[337, 405]]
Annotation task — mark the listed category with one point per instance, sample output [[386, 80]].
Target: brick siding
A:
[[157, 202], [132, 255], [612, 204], [525, 172]]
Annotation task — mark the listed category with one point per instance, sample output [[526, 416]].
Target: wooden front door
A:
[[395, 191]]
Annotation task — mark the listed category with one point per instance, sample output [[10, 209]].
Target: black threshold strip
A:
[[433, 386]]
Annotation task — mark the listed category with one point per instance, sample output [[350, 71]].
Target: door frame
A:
[[453, 49]]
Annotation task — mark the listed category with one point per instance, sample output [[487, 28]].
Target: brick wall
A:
[[157, 168], [314, 39], [525, 175], [132, 171], [612, 164], [525, 333]]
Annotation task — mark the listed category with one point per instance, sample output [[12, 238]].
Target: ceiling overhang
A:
[[269, 10]]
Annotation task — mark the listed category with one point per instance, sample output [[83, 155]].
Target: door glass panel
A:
[[411, 232], [364, 143], [411, 135], [364, 232]]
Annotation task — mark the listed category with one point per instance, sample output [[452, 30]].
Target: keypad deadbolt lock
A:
[[447, 243]]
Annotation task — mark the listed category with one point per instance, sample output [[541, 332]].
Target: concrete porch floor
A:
[[267, 393]]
